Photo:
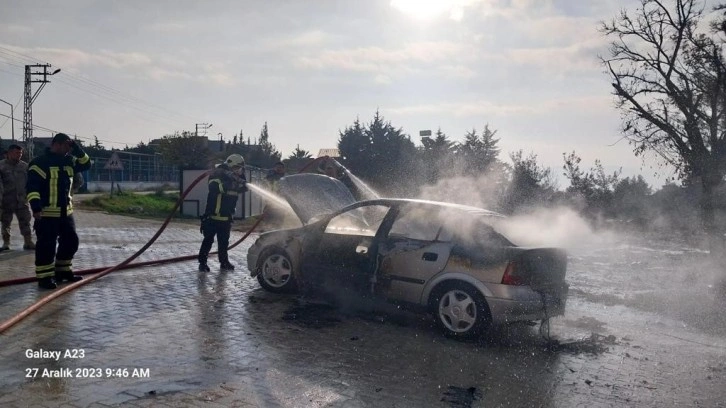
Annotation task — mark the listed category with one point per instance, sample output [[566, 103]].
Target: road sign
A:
[[424, 133], [114, 163]]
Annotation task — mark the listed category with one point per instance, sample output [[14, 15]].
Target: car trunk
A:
[[543, 269]]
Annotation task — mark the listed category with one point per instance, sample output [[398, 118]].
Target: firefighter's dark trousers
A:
[[50, 230], [221, 229]]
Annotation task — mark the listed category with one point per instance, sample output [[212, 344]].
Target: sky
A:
[[133, 71]]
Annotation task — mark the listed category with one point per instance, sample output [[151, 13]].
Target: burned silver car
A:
[[445, 258]]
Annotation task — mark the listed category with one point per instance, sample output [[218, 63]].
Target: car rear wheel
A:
[[460, 310], [276, 272]]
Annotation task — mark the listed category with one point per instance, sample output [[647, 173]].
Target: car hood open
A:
[[311, 195]]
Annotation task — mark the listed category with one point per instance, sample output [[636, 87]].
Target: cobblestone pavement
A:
[[170, 336]]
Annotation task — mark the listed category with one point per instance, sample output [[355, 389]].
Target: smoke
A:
[[560, 226], [539, 226], [482, 192]]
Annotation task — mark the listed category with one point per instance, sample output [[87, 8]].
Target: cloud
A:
[[160, 68], [551, 44], [312, 38], [168, 26], [162, 74], [431, 56], [580, 57], [429, 9], [383, 79], [466, 109], [16, 29], [75, 58], [496, 109]]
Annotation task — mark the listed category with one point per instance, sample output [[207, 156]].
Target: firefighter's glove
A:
[[76, 149], [204, 223], [36, 224], [240, 183]]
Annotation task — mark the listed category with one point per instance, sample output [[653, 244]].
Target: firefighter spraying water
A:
[[226, 182]]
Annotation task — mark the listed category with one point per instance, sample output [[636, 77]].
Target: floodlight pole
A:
[[30, 98]]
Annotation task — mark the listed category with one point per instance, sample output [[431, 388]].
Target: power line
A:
[[38, 127], [80, 81], [107, 93], [142, 114], [84, 84], [14, 108], [27, 57]]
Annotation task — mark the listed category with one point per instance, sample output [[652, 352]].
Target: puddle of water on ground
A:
[[312, 315], [595, 344], [461, 397]]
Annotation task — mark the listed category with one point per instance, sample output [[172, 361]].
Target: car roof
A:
[[424, 203]]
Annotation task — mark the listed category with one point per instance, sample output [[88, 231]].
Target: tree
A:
[[531, 184], [185, 150], [297, 159], [264, 154], [438, 158], [142, 147], [300, 154], [594, 188], [379, 153], [96, 144], [631, 199], [670, 82], [478, 153], [354, 147]]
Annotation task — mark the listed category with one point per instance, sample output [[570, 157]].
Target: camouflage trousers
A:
[[24, 218]]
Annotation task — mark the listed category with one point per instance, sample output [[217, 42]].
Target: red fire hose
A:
[[126, 264]]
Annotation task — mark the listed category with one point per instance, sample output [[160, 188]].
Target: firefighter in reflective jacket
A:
[[49, 188], [226, 182]]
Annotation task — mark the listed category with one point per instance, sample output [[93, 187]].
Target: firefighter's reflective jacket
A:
[[50, 182], [224, 188]]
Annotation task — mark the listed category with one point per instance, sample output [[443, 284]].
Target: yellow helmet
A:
[[235, 160]]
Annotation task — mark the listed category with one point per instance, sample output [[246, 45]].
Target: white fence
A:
[[99, 186], [196, 201]]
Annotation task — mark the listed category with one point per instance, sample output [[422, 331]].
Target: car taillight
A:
[[509, 278]]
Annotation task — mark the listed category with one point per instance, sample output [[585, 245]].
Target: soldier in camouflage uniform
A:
[[13, 175]]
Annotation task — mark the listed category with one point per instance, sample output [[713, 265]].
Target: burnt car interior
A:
[[343, 254]]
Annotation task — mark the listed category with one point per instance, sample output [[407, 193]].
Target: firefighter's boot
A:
[[47, 283], [6, 244], [226, 266], [64, 271], [29, 244], [67, 276]]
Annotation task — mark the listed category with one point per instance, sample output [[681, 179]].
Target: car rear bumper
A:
[[515, 304]]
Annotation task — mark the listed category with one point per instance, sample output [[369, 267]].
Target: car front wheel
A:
[[460, 310], [276, 272]]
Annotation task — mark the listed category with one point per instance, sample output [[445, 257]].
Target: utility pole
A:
[[203, 126], [12, 119], [31, 71]]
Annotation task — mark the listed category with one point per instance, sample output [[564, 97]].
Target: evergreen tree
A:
[[264, 154], [185, 150]]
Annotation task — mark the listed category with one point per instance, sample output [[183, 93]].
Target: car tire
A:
[[276, 271], [460, 310]]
